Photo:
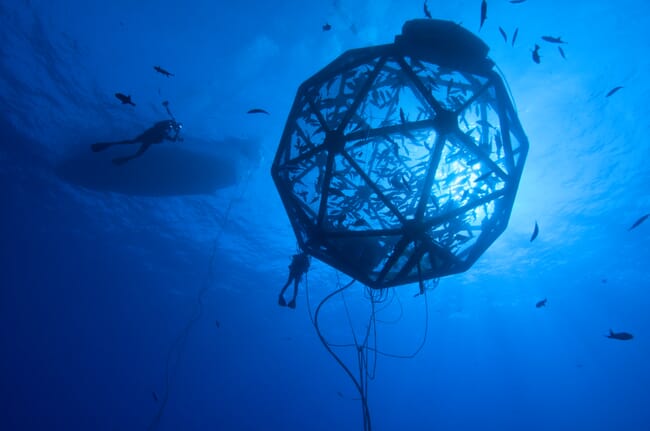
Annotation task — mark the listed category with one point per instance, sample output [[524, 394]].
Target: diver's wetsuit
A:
[[162, 130], [299, 266]]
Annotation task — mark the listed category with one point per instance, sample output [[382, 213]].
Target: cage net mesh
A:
[[394, 168]]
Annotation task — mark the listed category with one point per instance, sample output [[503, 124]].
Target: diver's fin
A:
[[292, 304], [281, 301], [100, 146]]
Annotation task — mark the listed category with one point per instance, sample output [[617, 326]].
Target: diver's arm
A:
[[174, 137]]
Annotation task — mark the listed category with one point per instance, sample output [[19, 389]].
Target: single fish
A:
[[619, 335], [483, 13], [450, 84], [552, 39], [155, 396], [406, 184], [162, 71], [639, 221], [327, 27], [126, 100], [257, 111], [499, 142], [559, 48], [535, 232], [217, 324], [541, 303], [514, 36], [402, 117], [427, 12], [517, 1], [503, 33], [613, 90], [536, 57], [339, 394], [396, 182], [400, 183]]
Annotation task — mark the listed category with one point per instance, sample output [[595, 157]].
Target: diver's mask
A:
[[175, 126]]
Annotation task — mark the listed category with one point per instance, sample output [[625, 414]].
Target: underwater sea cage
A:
[[401, 162]]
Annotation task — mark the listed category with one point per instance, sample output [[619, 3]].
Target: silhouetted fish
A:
[[552, 39], [619, 335], [541, 303], [155, 396], [535, 232], [559, 48], [450, 84], [483, 13], [327, 26], [514, 36], [258, 111], [402, 117], [427, 12], [517, 1], [536, 57], [503, 33], [126, 100], [217, 324], [613, 90], [639, 221], [162, 71], [398, 182], [339, 394]]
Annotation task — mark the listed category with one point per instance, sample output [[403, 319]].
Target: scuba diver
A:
[[299, 266], [159, 132]]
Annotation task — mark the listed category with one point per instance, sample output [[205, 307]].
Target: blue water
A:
[[96, 286]]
